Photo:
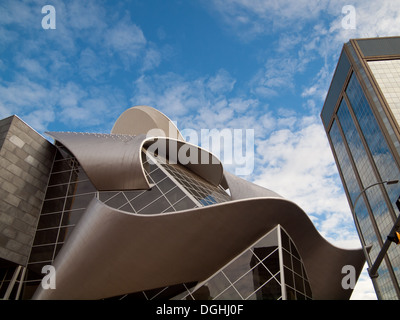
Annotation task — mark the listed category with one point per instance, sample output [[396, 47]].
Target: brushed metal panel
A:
[[112, 162], [145, 120], [111, 253], [242, 189]]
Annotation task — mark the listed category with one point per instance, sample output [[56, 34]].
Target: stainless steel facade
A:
[[362, 124], [183, 230]]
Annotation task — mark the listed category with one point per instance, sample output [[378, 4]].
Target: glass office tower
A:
[[361, 116]]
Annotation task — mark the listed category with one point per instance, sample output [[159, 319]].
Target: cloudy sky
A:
[[259, 65]]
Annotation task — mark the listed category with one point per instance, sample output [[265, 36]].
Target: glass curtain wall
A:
[[271, 269], [364, 158]]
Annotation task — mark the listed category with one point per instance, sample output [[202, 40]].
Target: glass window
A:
[[46, 236], [50, 206], [272, 262], [157, 206], [382, 159], [117, 200], [296, 265], [184, 203], [49, 220], [240, 266], [287, 260], [246, 285], [41, 253], [59, 178], [127, 208], [229, 294], [131, 195], [298, 283], [166, 185], [146, 198], [214, 287], [62, 165], [288, 277], [204, 192], [56, 191], [156, 174], [263, 252]]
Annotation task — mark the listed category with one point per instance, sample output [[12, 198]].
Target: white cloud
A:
[[32, 67], [91, 66], [278, 74], [177, 96], [18, 13], [364, 289], [85, 15], [23, 93], [126, 39], [221, 82], [250, 18], [297, 163], [152, 59], [40, 118]]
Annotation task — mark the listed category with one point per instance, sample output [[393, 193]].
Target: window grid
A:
[[385, 165], [203, 191], [225, 284]]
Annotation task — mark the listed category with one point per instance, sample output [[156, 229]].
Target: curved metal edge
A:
[[201, 161], [142, 120], [113, 163], [111, 252], [243, 189]]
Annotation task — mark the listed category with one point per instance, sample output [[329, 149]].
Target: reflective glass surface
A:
[[345, 165], [204, 192], [256, 274], [384, 162], [373, 162]]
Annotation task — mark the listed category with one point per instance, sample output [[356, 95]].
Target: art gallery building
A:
[[128, 215]]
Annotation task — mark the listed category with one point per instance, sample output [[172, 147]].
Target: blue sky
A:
[[239, 64]]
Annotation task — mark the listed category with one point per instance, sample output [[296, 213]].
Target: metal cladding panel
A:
[[342, 69], [112, 162], [379, 46], [111, 252], [146, 120], [242, 189], [196, 159]]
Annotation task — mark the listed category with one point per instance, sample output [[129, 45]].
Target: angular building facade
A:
[[361, 116], [141, 214]]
